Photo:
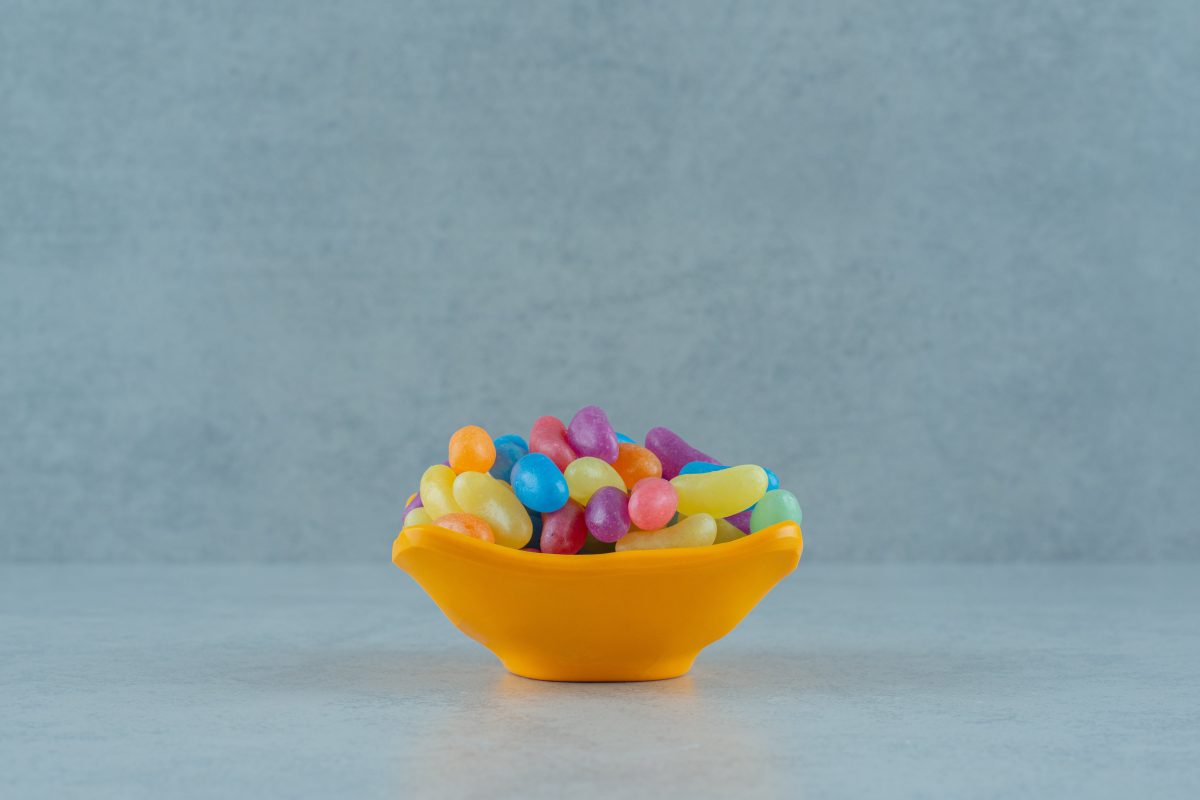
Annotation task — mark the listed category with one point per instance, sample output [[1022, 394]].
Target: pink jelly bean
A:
[[590, 434], [740, 520], [673, 451], [414, 503], [652, 503], [549, 437], [607, 515], [564, 531]]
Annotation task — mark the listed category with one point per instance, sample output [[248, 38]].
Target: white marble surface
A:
[[848, 681]]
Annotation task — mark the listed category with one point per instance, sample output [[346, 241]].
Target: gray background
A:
[[935, 263]]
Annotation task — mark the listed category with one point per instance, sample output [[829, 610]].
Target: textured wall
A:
[[936, 263]]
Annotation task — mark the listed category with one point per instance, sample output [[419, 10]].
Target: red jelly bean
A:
[[564, 531], [652, 504], [549, 437]]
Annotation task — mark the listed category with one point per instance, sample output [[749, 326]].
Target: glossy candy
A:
[[652, 504], [564, 531], [549, 437], [471, 450], [510, 449], [591, 434], [727, 532], [698, 530], [635, 462], [418, 516], [607, 514], [776, 506], [740, 520], [627, 439], [721, 493], [482, 495], [673, 451], [700, 467], [437, 491], [468, 525], [539, 484], [586, 475]]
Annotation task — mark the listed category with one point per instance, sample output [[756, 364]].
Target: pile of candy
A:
[[584, 488]]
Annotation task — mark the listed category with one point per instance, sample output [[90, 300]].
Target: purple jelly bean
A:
[[740, 520], [414, 503], [607, 514], [673, 451], [590, 434]]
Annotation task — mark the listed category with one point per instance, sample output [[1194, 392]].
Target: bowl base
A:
[[541, 669]]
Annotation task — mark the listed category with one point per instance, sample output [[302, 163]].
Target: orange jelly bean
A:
[[635, 462], [471, 450], [467, 524]]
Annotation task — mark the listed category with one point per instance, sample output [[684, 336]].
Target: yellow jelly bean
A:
[[418, 516], [727, 532], [697, 530], [480, 494], [437, 491], [722, 493], [585, 476]]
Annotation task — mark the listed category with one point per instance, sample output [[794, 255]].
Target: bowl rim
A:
[[782, 536]]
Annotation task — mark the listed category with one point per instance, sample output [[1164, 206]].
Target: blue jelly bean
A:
[[510, 449], [626, 439], [698, 467], [539, 483]]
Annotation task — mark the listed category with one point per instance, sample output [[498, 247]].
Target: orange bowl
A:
[[631, 616]]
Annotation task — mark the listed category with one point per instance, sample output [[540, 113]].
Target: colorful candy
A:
[[607, 514], [721, 493], [775, 507], [437, 491], [471, 450], [564, 531], [635, 462], [482, 495], [652, 504], [698, 530], [673, 451], [539, 483], [590, 434], [549, 437], [468, 525], [584, 488], [510, 449], [586, 475]]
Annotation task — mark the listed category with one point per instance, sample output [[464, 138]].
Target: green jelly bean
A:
[[776, 506]]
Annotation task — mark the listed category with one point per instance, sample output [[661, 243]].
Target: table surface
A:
[[852, 681]]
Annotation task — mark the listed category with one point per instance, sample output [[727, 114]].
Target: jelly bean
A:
[[471, 450], [437, 491], [539, 484], [482, 495], [673, 451], [468, 525], [652, 504], [700, 467], [740, 520], [590, 434], [776, 506], [626, 439], [414, 501], [635, 462], [418, 516], [535, 518], [549, 438], [727, 532], [607, 514], [564, 531], [510, 449], [697, 530], [586, 475], [721, 493]]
